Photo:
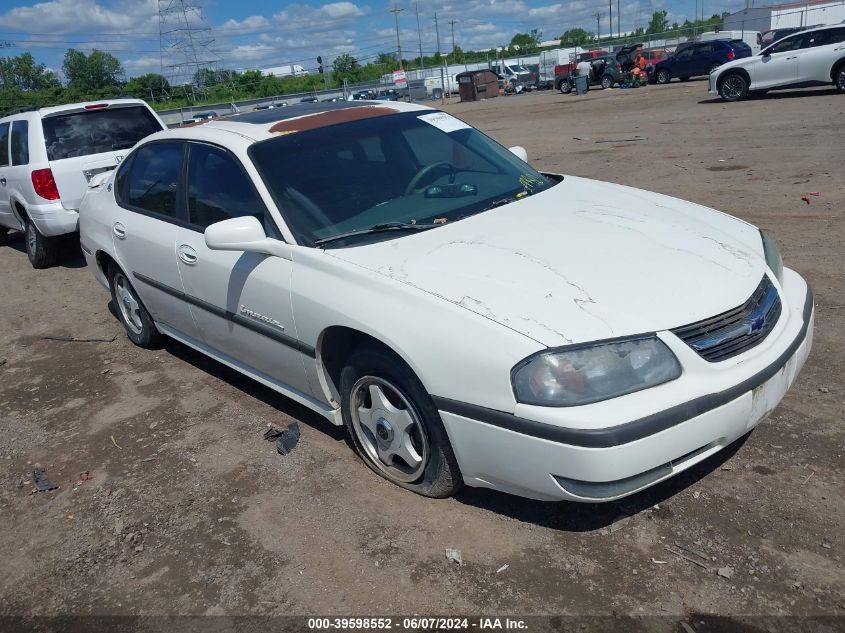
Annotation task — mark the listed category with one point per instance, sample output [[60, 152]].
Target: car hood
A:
[[582, 261]]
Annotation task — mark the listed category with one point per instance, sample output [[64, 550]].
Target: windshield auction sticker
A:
[[445, 122]]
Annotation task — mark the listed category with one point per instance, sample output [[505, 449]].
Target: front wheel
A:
[[41, 250], [565, 87], [394, 425], [663, 77], [136, 320], [607, 82], [734, 87], [839, 78]]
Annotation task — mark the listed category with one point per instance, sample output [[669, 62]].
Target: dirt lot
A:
[[190, 511]]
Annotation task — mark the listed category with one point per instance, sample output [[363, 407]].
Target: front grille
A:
[[735, 331]]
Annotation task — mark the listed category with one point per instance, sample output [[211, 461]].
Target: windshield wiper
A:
[[384, 227]]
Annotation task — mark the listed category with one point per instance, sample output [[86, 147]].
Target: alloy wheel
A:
[[840, 79], [128, 304], [31, 239], [389, 429], [733, 87]]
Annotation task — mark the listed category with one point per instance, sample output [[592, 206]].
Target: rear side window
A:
[[20, 143], [4, 144], [218, 188], [97, 131], [828, 36], [152, 181]]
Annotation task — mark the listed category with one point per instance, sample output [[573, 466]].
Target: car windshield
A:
[[97, 131], [424, 168]]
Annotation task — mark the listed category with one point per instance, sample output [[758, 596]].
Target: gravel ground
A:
[[189, 511]]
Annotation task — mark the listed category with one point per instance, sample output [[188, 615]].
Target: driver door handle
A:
[[187, 254], [793, 57], [119, 231]]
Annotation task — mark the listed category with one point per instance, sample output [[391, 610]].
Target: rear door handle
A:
[[119, 231], [187, 254]]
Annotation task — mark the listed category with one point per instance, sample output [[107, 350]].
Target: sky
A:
[[257, 34]]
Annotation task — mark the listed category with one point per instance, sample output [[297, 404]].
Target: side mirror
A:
[[244, 234], [766, 54], [519, 152]]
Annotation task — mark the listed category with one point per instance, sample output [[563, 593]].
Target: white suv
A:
[[810, 58], [47, 158]]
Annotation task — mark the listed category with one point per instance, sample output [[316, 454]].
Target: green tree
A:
[[93, 72], [575, 37], [525, 43], [346, 67], [658, 23], [152, 87], [24, 73]]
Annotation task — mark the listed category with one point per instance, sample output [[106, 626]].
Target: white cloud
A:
[[82, 16], [247, 26]]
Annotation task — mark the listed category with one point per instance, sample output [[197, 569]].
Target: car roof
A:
[[260, 125]]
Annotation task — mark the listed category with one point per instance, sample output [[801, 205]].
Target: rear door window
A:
[[828, 36], [20, 143], [97, 131], [152, 181], [4, 144]]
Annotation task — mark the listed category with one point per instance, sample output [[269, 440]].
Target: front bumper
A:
[[711, 83], [546, 461]]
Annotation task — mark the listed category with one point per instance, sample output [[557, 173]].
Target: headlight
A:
[[589, 373], [773, 259]]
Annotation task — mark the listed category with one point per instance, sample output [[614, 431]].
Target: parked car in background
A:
[[607, 72], [815, 57], [47, 158], [564, 72], [364, 95], [309, 100], [359, 296], [201, 117], [389, 95], [514, 74], [752, 38], [699, 58]]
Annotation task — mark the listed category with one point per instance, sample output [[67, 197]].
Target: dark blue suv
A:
[[699, 58]]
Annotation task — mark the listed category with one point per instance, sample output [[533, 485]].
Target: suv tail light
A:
[[45, 184], [730, 55]]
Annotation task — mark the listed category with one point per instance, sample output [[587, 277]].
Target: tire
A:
[[383, 385], [712, 68], [42, 251], [733, 87], [133, 315], [684, 78], [607, 82], [565, 87], [839, 78], [663, 77]]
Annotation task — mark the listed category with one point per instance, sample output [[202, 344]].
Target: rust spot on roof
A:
[[330, 117]]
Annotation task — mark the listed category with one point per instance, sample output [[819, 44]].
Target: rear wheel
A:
[[733, 87], [42, 251], [394, 425], [839, 78], [565, 86], [663, 77], [136, 320], [607, 82]]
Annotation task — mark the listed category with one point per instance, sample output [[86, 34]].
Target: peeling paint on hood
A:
[[582, 261]]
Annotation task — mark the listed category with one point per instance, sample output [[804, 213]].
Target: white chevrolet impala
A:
[[469, 319]]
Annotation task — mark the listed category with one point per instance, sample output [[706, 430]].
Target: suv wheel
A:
[[607, 82], [42, 251], [839, 78], [395, 426], [136, 320], [733, 87], [565, 86], [663, 77]]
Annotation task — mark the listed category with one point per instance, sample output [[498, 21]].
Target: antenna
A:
[[185, 43]]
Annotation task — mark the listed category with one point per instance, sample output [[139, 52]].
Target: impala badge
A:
[[260, 317]]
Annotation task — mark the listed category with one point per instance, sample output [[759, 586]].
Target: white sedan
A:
[[469, 319], [815, 57]]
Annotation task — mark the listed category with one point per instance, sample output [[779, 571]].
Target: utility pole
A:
[[599, 16], [610, 20], [396, 11], [442, 74], [454, 56], [618, 20], [419, 31]]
